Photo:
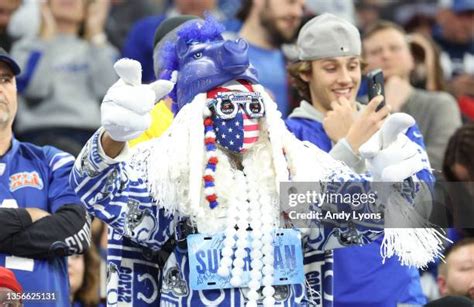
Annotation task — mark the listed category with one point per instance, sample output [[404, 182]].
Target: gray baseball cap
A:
[[327, 36]]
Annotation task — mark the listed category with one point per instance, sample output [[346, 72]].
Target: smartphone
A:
[[375, 86]]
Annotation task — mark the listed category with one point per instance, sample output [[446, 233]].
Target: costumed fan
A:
[[218, 170]]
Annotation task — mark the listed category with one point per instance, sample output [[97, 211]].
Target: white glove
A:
[[125, 110], [391, 155]]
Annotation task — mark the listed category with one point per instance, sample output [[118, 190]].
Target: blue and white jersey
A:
[[37, 177], [133, 275], [118, 193]]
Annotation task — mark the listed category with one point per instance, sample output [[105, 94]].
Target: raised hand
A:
[[367, 123], [97, 13], [126, 107], [48, 27]]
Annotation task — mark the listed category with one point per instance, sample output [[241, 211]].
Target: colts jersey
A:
[[37, 177]]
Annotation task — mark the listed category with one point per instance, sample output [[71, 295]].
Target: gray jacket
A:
[[437, 115]]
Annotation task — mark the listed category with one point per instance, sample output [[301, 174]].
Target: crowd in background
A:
[[67, 49]]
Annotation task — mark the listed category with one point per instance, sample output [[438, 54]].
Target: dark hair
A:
[[244, 10], [419, 55], [459, 150]]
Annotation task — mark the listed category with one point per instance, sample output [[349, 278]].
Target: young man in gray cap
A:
[[328, 76]]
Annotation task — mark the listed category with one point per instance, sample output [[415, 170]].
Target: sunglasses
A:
[[226, 105]]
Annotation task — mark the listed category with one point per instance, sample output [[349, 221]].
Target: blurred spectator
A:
[[437, 114], [427, 72], [458, 169], [454, 192], [459, 159], [30, 10], [193, 7], [124, 13], [7, 7], [139, 42], [417, 17], [266, 26], [84, 278], [331, 118], [368, 13], [41, 218], [67, 70], [455, 35], [340, 8], [456, 276], [9, 289], [230, 8]]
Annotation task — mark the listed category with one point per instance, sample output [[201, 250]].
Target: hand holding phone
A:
[[376, 86]]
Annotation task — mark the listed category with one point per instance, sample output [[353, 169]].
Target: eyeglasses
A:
[[226, 105]]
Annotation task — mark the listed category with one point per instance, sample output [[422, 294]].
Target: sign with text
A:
[[204, 254]]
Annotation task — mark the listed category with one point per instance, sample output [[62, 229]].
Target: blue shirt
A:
[[271, 68], [358, 271], [37, 177]]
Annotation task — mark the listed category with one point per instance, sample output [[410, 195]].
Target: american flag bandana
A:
[[239, 133]]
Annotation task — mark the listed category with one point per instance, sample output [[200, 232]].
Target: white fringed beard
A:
[[178, 159]]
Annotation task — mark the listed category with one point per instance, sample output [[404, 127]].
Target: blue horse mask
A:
[[204, 60]]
